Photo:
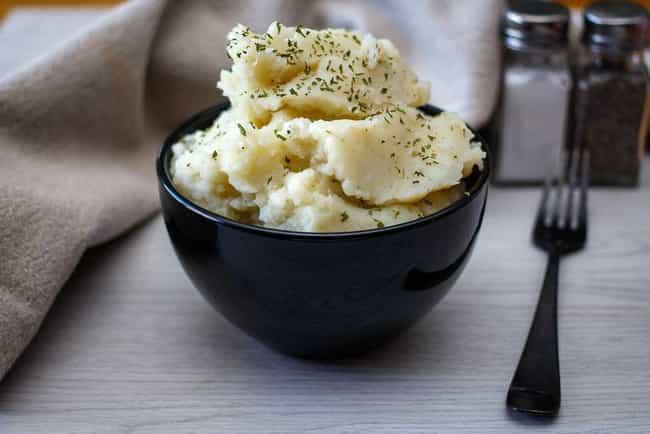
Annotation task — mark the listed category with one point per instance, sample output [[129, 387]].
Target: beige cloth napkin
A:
[[79, 127]]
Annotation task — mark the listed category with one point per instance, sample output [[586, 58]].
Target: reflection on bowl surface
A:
[[320, 295]]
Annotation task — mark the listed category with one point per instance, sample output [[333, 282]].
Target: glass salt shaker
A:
[[529, 126], [611, 97]]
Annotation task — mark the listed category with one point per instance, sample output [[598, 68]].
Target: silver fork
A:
[[560, 229]]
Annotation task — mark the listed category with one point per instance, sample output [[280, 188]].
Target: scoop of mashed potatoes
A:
[[323, 135]]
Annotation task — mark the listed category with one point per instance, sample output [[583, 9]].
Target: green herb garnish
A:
[[278, 135], [299, 30]]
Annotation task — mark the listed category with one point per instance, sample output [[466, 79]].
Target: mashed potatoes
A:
[[323, 136]]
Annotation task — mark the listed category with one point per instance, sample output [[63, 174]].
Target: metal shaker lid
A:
[[530, 23], [616, 25]]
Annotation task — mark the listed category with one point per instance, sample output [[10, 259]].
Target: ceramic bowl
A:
[[320, 295]]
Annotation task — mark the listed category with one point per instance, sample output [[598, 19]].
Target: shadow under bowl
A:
[[320, 295]]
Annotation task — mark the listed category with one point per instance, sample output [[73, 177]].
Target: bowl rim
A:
[[212, 112]]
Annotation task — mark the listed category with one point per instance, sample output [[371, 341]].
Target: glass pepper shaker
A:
[[529, 126], [611, 97]]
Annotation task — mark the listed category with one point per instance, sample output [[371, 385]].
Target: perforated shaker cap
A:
[[616, 25], [529, 23]]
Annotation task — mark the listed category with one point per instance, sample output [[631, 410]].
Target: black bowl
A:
[[320, 295]]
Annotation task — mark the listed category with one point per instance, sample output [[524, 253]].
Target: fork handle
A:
[[535, 386]]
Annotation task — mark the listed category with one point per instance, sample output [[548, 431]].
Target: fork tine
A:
[[554, 209], [542, 211], [569, 217], [584, 188]]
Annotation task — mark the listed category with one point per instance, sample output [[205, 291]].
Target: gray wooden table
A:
[[130, 346]]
